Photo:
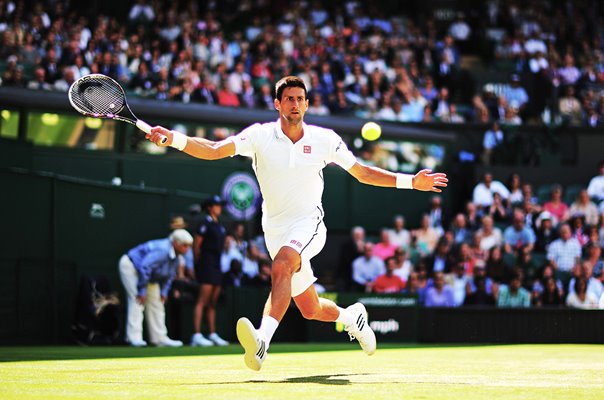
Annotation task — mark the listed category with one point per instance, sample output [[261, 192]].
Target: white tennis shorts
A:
[[307, 238]]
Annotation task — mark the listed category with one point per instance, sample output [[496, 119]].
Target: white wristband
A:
[[179, 140], [404, 181]]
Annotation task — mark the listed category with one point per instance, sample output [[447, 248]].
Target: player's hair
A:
[[288, 81]]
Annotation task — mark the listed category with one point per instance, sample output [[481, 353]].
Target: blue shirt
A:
[[518, 239], [155, 261]]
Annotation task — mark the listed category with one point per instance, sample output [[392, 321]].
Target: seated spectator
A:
[[577, 224], [426, 236], [584, 270], [595, 189], [479, 296], [550, 295], [388, 282], [412, 286], [366, 268], [263, 279], [514, 295], [583, 205], [490, 235], [518, 236], [493, 138], [458, 280], [250, 264], [565, 252], [570, 107], [495, 267], [403, 265], [556, 206], [399, 236], [234, 276], [539, 284], [441, 260], [226, 97], [437, 216], [352, 248], [384, 248], [516, 96], [317, 107], [498, 210], [580, 297], [545, 232], [482, 194], [441, 294]]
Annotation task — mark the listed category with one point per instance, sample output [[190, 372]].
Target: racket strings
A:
[[98, 96]]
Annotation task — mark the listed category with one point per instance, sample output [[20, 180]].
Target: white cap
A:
[[181, 236]]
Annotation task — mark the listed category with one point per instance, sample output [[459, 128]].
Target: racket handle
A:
[[145, 127]]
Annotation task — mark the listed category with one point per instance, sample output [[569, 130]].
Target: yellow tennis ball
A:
[[371, 131]]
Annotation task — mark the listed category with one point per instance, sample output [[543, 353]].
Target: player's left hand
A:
[[426, 181]]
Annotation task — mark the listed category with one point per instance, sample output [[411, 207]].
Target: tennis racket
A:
[[99, 96]]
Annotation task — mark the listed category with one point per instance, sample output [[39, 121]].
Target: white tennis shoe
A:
[[255, 347], [199, 340], [217, 340], [360, 329]]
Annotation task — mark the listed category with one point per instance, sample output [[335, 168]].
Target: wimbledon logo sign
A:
[[242, 193]]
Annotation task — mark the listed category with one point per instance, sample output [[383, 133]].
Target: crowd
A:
[[354, 59], [507, 249]]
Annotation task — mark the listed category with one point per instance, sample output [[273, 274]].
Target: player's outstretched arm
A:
[[425, 180], [196, 147]]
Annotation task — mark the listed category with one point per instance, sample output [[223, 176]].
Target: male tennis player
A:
[[288, 157]]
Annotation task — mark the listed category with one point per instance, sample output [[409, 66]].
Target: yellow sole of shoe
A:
[[247, 339]]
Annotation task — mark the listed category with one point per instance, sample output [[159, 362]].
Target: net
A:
[[98, 95]]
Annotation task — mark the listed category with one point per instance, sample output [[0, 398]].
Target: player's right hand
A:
[[157, 134]]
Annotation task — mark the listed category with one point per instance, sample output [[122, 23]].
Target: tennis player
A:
[[288, 157]]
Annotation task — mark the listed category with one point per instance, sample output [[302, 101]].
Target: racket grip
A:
[[145, 127]]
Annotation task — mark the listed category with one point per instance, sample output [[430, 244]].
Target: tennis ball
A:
[[371, 131]]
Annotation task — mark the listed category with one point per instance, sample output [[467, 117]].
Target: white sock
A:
[[345, 317], [268, 326]]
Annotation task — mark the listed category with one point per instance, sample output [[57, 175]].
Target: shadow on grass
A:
[[45, 353]]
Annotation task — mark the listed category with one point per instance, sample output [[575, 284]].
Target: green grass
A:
[[307, 371]]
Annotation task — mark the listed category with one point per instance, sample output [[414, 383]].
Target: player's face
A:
[[293, 105]]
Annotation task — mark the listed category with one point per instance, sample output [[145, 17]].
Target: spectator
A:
[[580, 297], [479, 296], [403, 265], [461, 233], [483, 192], [514, 295], [147, 272], [545, 232], [515, 188], [518, 236], [458, 280], [399, 236], [570, 108], [565, 252], [351, 249], [426, 236], [492, 140], [250, 265], [234, 276], [263, 279], [441, 294], [516, 95], [441, 260], [366, 268], [556, 206], [388, 282], [595, 189], [550, 296], [497, 210], [384, 248], [583, 205], [584, 270], [317, 107], [438, 217], [490, 235]]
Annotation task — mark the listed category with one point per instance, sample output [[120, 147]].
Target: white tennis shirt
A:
[[290, 175]]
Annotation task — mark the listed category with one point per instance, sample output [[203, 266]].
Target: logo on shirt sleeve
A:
[[307, 149]]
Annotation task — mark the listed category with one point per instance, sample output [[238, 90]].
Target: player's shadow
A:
[[320, 379]]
